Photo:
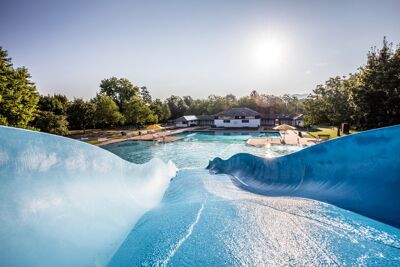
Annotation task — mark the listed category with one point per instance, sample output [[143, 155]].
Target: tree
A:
[[375, 94], [107, 112], [216, 104], [81, 114], [138, 113], [58, 104], [329, 103], [188, 100], [161, 110], [52, 114], [177, 106], [120, 90], [146, 97], [18, 95], [165, 113], [49, 122]]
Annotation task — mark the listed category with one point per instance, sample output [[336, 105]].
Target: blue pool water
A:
[[193, 151], [66, 203], [226, 137]]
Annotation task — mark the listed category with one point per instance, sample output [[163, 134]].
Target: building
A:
[[237, 118], [240, 118], [205, 120], [192, 120], [298, 121], [278, 119], [186, 121]]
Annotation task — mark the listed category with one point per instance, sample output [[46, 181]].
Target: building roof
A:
[[278, 116], [298, 117], [238, 112], [204, 117], [186, 118]]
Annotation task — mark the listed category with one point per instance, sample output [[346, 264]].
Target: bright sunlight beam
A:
[[268, 53]]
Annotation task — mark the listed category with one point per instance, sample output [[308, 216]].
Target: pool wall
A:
[[359, 172]]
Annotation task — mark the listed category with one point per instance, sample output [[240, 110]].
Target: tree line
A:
[[118, 103], [368, 98]]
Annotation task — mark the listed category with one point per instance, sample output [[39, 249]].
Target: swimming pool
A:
[[226, 137], [197, 148]]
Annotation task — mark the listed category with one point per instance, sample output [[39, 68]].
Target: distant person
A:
[[300, 135]]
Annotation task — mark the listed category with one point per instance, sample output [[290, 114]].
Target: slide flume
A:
[[67, 203], [359, 172]]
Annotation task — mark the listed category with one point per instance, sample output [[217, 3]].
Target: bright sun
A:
[[267, 53]]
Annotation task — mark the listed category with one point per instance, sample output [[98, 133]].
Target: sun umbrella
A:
[[284, 127]]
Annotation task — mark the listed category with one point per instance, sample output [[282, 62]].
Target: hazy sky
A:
[[193, 48]]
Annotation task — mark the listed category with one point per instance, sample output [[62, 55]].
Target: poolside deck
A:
[[162, 137], [291, 138]]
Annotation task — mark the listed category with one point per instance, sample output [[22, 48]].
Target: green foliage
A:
[[369, 98], [58, 104], [120, 90], [177, 106], [138, 113], [49, 122], [18, 95], [161, 110], [375, 94], [329, 103], [52, 114], [165, 113], [265, 104], [145, 94], [107, 112], [81, 114]]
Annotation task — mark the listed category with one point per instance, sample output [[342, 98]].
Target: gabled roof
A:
[[204, 117], [298, 117], [186, 118], [238, 112]]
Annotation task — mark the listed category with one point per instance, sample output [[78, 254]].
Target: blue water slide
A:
[[67, 203], [359, 172]]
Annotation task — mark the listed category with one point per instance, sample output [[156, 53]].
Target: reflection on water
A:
[[192, 154]]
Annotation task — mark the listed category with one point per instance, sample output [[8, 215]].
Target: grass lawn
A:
[[326, 130]]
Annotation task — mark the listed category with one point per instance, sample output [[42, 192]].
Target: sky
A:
[[194, 48]]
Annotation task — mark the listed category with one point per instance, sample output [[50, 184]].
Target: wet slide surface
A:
[[206, 220]]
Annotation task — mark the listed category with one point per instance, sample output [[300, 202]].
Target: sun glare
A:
[[267, 53]]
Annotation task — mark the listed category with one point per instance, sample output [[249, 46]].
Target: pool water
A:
[[191, 153], [226, 137], [206, 220]]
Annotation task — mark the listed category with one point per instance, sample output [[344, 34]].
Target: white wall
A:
[[180, 124], [298, 123], [237, 123]]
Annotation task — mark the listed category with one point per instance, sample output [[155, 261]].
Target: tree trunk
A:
[[338, 130]]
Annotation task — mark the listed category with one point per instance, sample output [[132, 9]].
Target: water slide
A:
[[67, 203], [359, 172]]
